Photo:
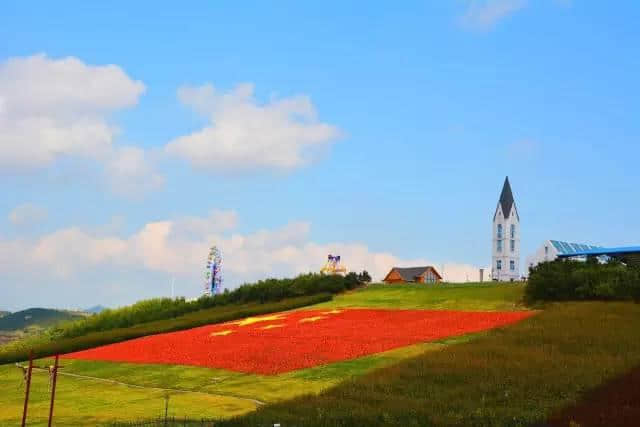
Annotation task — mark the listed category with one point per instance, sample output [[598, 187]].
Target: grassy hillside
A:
[[471, 296], [95, 309], [43, 346], [513, 376], [230, 393], [516, 375], [40, 317]]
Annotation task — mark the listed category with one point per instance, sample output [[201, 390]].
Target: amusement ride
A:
[[213, 272], [333, 266]]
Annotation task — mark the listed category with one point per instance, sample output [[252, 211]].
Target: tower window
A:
[[512, 265], [546, 250], [512, 244], [499, 231], [499, 246], [513, 231], [499, 264]]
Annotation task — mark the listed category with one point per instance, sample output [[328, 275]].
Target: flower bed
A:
[[288, 341]]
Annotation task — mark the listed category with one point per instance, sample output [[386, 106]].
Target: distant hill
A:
[[4, 313], [42, 317], [95, 309]]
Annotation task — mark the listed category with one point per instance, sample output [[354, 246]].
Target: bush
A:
[[263, 291], [19, 351], [563, 280]]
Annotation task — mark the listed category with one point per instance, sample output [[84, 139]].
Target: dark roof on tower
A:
[[506, 198]]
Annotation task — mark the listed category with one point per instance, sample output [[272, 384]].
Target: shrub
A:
[[263, 291], [563, 280], [19, 351]]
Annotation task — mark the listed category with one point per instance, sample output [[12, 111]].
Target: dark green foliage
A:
[[169, 421], [364, 277], [35, 317], [186, 321], [564, 280], [166, 308]]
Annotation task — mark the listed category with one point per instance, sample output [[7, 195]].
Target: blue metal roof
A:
[[603, 251], [572, 249]]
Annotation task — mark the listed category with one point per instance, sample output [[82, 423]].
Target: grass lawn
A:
[[88, 402], [213, 392], [469, 297], [221, 393], [518, 375]]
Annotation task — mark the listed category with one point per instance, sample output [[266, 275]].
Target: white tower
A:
[[505, 253]]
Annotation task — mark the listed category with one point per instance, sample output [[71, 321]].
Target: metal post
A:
[[166, 407], [26, 395], [53, 389]]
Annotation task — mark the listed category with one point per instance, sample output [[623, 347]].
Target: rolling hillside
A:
[[95, 309], [519, 374], [41, 317]]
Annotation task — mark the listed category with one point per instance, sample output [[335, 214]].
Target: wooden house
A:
[[426, 274]]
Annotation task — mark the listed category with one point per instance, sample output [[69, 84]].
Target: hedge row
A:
[[166, 308], [564, 280], [15, 353]]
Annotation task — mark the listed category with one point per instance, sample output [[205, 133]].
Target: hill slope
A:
[[95, 309], [42, 317]]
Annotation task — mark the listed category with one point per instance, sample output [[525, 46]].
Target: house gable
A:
[[413, 274]]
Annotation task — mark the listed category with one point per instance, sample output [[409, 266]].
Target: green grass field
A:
[[538, 364], [121, 391], [517, 375], [469, 297]]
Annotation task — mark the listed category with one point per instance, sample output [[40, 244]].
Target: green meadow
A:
[[469, 297], [515, 375]]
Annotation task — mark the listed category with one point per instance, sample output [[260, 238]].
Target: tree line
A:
[[564, 280], [263, 291]]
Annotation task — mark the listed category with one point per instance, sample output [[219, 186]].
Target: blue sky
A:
[[380, 132]]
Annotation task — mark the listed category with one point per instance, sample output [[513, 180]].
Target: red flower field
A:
[[282, 342]]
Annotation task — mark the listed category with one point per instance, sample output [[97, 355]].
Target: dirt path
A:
[[616, 403], [176, 390]]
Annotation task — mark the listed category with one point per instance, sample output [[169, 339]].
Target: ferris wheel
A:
[[213, 272]]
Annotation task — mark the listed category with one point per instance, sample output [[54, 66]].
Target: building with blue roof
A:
[[552, 249], [629, 255]]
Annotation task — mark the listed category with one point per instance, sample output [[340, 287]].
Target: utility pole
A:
[[54, 374], [26, 395]]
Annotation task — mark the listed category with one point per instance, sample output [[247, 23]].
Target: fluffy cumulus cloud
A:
[[178, 247], [244, 134], [56, 108], [485, 14], [27, 214], [130, 172]]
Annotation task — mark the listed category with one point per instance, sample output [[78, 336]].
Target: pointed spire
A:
[[506, 198]]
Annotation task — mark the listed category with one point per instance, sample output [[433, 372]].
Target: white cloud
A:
[[180, 247], [244, 134], [27, 214], [56, 108], [130, 173], [66, 251], [485, 14]]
